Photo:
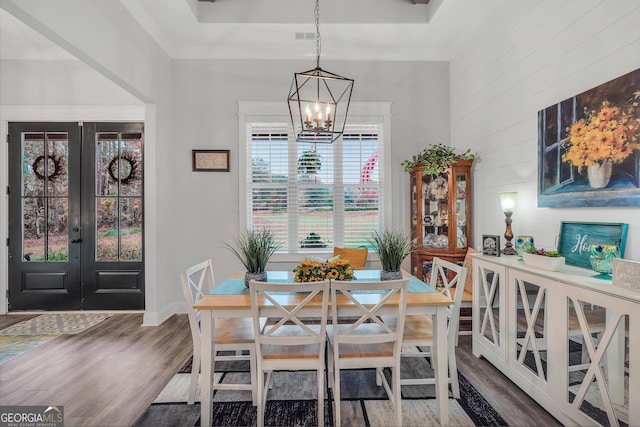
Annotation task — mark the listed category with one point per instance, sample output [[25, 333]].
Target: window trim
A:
[[361, 112]]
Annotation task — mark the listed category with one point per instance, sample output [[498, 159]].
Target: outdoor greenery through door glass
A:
[[45, 207], [118, 197]]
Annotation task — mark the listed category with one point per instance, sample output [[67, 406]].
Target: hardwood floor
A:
[[104, 376], [108, 374]]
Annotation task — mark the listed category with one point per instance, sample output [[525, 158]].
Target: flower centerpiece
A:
[[603, 138], [316, 271]]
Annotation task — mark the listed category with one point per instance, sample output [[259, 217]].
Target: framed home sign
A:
[[491, 245], [210, 160], [576, 238]]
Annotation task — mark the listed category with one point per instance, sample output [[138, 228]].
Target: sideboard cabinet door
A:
[[489, 314]]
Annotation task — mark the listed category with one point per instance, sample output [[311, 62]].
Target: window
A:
[[553, 123], [315, 196]]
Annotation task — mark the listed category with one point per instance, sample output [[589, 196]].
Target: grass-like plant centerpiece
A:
[[392, 248], [547, 260], [315, 271], [254, 248]]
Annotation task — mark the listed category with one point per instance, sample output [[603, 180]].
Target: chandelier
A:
[[319, 100]]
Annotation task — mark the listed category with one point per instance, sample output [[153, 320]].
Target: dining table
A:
[[231, 299]]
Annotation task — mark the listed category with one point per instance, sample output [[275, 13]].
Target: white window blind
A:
[[315, 196]]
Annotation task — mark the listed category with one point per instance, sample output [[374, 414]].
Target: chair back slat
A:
[[197, 281], [451, 276], [299, 330], [393, 296]]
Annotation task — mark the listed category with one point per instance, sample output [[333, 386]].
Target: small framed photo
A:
[[210, 160], [490, 245]]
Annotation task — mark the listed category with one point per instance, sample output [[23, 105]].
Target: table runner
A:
[[237, 287]]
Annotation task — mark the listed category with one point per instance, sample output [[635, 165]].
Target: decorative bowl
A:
[[601, 257], [523, 244], [543, 262]]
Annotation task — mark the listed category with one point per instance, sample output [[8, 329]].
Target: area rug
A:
[[29, 334], [56, 323], [292, 401]]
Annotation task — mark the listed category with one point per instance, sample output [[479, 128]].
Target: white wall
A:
[[133, 61], [207, 95], [193, 104], [516, 60]]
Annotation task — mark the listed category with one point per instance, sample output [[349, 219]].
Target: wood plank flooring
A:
[[108, 374]]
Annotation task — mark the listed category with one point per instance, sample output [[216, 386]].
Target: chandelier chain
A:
[[318, 42]]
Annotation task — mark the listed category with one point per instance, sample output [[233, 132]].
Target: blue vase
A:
[[523, 244], [601, 257]]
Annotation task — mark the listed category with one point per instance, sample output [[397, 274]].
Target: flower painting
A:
[[589, 147]]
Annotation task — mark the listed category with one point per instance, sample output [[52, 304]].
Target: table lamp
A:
[[508, 203]]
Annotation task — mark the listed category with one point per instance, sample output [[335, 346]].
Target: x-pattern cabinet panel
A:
[[571, 341]]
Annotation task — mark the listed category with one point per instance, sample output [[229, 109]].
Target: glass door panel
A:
[[435, 211], [598, 362]]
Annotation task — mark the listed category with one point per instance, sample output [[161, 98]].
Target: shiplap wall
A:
[[517, 59]]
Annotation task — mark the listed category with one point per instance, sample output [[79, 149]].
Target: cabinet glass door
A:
[[461, 210], [598, 345], [435, 211]]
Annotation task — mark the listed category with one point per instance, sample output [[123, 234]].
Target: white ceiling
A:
[[350, 29]]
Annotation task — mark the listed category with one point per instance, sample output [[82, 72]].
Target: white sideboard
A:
[[571, 341]]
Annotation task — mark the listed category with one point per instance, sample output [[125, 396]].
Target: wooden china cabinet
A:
[[440, 216]]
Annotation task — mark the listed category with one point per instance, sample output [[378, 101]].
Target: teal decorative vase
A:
[[601, 258], [523, 244]]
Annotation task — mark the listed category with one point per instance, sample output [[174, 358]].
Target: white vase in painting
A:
[[599, 174]]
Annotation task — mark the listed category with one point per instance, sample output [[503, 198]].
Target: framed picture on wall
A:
[[589, 147], [210, 160]]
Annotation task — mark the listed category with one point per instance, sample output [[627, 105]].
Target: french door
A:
[[76, 216]]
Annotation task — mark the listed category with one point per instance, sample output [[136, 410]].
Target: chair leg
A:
[[260, 399], [320, 373], [397, 393], [453, 373], [254, 377], [195, 370], [336, 394], [379, 374]]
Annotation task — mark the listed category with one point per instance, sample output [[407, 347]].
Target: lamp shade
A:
[[508, 201]]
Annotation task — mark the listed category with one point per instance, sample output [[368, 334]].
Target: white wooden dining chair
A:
[[364, 341], [289, 342], [418, 329], [234, 335]]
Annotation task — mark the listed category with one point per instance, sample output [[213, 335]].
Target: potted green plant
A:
[[436, 158], [254, 248], [392, 248]]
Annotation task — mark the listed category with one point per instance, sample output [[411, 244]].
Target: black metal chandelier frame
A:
[[315, 90]]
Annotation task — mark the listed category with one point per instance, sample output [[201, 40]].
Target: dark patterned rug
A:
[[292, 401]]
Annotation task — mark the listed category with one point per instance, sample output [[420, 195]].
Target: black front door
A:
[[76, 210]]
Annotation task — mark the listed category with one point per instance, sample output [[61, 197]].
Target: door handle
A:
[[76, 240]]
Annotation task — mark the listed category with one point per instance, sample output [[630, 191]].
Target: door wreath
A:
[[133, 167], [57, 167]]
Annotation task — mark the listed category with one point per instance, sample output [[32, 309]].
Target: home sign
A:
[[576, 237]]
